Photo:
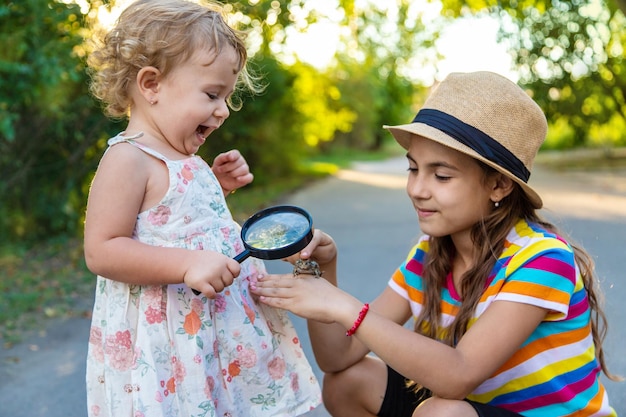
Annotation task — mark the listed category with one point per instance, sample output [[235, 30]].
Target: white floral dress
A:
[[164, 351]]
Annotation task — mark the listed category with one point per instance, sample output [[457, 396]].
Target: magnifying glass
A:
[[275, 233]]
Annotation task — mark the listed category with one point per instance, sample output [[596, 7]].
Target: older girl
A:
[[505, 310]]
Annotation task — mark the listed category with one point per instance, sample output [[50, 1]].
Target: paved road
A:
[[373, 223]]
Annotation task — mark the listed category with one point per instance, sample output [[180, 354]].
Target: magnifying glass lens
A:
[[275, 233], [277, 230]]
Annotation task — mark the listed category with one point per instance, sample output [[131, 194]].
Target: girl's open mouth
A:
[[202, 131]]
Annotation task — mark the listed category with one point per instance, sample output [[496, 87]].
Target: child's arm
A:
[[126, 182], [232, 171], [449, 372], [327, 338], [327, 334]]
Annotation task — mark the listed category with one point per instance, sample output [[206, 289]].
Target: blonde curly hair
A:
[[162, 34]]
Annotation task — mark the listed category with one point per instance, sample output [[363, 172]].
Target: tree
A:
[[571, 55], [48, 122], [371, 69], [299, 107]]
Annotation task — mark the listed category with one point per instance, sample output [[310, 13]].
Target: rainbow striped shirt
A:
[[555, 372]]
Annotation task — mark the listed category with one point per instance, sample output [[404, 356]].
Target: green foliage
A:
[[377, 98], [566, 60], [300, 111], [266, 130], [570, 54], [371, 82], [320, 102], [48, 280], [269, 20], [560, 136], [47, 120]]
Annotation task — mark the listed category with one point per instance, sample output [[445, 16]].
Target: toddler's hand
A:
[[232, 170], [210, 272]]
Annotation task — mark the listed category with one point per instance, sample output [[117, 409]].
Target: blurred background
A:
[[335, 71]]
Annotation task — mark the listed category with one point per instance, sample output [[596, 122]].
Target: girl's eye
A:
[[442, 177], [212, 96], [411, 169]]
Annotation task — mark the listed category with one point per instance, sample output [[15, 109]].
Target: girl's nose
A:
[[416, 187], [222, 112]]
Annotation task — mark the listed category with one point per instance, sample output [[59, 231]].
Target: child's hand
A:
[[307, 297], [321, 249], [210, 272], [232, 171]]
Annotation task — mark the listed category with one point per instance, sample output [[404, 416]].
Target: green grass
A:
[[51, 280], [343, 157], [41, 282], [584, 159]]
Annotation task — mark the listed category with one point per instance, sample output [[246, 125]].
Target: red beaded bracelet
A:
[[359, 320]]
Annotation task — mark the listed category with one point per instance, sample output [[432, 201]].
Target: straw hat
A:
[[486, 116]]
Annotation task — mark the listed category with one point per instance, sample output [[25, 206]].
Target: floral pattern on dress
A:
[[157, 351]]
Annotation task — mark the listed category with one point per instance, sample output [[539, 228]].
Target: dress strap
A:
[[131, 140]]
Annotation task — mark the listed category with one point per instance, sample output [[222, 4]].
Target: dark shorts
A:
[[401, 401]]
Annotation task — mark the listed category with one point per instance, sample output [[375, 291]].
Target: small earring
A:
[[152, 102], [496, 204]]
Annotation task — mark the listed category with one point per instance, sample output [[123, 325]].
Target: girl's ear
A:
[[502, 187], [148, 83]]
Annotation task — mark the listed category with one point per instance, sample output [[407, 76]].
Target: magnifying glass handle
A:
[[239, 258], [242, 256]]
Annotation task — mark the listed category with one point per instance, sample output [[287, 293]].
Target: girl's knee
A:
[[360, 387], [338, 393], [338, 386], [441, 407]]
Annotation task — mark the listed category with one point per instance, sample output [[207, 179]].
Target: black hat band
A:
[[468, 135]]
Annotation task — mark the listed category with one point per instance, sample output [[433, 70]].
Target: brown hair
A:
[[162, 34], [489, 237]]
